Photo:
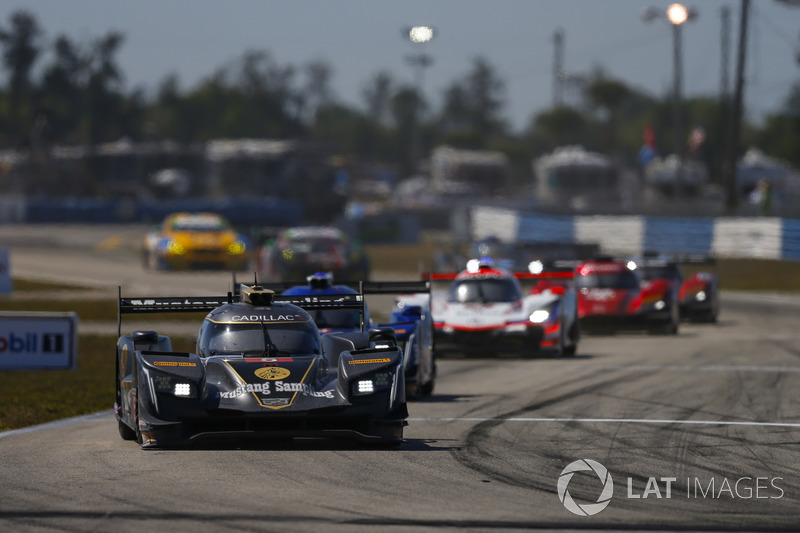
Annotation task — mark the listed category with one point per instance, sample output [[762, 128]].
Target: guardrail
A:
[[760, 237], [266, 211]]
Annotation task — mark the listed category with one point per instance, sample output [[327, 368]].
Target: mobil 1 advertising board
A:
[[31, 341]]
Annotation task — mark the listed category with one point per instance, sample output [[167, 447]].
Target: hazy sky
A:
[[359, 38]]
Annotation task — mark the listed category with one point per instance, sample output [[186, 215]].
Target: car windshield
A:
[[484, 290], [614, 280], [199, 225], [258, 339], [320, 245], [650, 273]]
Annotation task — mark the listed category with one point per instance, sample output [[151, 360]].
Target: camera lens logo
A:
[[586, 509]]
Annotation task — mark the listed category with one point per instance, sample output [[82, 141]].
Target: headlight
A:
[[659, 305], [182, 389], [539, 316], [366, 385], [701, 296], [175, 248], [236, 248]]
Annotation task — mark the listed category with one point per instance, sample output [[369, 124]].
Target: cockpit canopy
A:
[[485, 290], [259, 331]]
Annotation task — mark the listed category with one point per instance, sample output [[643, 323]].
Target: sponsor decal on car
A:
[[274, 402], [173, 363], [263, 388], [368, 361], [266, 318], [272, 373], [301, 388]]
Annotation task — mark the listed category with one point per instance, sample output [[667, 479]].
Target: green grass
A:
[[34, 397], [23, 284], [31, 397], [754, 274]]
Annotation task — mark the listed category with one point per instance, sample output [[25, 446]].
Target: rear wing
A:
[[363, 287], [682, 258], [195, 304], [567, 273]]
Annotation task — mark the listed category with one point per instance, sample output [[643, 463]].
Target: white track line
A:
[[103, 415], [614, 421], [698, 368]]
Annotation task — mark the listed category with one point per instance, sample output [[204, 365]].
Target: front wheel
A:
[[125, 431]]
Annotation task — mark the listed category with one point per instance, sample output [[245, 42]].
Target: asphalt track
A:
[[697, 432]]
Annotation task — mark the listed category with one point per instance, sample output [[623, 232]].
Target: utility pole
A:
[[558, 68], [724, 92], [729, 167], [725, 49]]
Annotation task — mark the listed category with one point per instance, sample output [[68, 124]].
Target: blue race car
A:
[[410, 318]]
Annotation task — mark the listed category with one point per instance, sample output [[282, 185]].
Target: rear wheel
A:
[[572, 348], [426, 389]]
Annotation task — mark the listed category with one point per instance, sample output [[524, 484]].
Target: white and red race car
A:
[[488, 310]]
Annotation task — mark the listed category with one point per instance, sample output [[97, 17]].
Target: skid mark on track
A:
[[657, 421], [473, 454]]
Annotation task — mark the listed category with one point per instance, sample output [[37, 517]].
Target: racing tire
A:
[[137, 431], [711, 316], [426, 389], [670, 327], [125, 431], [572, 348]]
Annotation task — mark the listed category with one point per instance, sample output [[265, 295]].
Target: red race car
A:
[[698, 294], [612, 294]]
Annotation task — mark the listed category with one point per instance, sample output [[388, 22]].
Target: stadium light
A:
[[419, 62]]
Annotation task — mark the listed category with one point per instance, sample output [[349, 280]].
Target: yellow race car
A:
[[196, 241]]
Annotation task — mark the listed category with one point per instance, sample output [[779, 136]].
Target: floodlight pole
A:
[[677, 111], [419, 62]]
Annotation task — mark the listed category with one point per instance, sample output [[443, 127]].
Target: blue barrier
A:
[[790, 240], [687, 235], [540, 228], [264, 211]]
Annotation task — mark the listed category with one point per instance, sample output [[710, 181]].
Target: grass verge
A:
[[31, 397]]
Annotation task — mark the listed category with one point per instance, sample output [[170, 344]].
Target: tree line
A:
[[78, 96]]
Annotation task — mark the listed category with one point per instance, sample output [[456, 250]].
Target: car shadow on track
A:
[[312, 444], [445, 398]]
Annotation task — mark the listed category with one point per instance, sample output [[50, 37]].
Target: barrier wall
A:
[[264, 211], [762, 237]]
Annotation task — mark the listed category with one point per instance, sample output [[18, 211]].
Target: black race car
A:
[[698, 292], [410, 319], [261, 369]]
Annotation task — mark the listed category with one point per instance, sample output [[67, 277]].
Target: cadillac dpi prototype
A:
[[489, 310], [261, 369], [410, 319], [612, 294]]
